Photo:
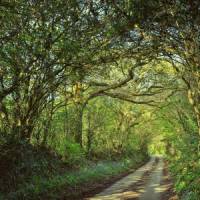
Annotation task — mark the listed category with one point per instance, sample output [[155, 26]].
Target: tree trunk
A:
[[79, 123], [26, 133], [89, 136], [194, 101]]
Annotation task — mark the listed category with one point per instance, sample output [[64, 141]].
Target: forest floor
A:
[[150, 182]]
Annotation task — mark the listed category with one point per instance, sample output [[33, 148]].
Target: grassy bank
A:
[[71, 184]]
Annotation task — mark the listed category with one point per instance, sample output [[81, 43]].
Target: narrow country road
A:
[[153, 189], [146, 183]]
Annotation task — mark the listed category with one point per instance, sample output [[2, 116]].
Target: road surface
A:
[[143, 184]]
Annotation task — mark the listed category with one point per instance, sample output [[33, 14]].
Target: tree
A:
[[170, 30], [42, 44]]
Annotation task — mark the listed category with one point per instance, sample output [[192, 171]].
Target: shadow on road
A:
[[151, 182]]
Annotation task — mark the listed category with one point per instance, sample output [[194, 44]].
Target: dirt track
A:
[[150, 182]]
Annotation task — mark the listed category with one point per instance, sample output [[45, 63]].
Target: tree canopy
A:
[[97, 79]]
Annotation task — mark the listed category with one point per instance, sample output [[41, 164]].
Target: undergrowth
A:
[[38, 173]]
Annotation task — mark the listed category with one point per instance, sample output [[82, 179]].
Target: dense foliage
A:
[[96, 86]]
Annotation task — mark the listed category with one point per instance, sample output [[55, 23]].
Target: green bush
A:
[[72, 153], [20, 162]]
